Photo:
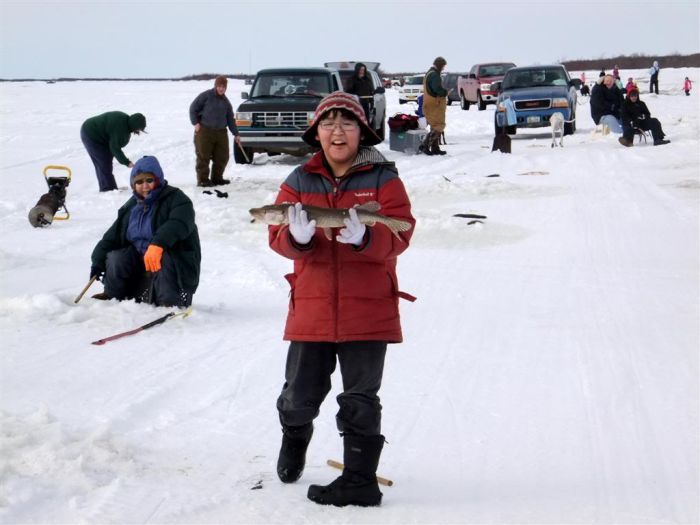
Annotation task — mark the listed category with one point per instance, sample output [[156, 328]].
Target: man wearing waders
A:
[[434, 107]]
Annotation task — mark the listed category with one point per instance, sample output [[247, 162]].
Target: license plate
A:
[[533, 119]]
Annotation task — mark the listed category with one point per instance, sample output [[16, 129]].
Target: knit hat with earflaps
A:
[[348, 102], [137, 122]]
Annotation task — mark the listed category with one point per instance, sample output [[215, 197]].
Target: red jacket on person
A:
[[341, 292]]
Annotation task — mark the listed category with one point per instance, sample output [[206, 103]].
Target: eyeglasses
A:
[[149, 180], [345, 125]]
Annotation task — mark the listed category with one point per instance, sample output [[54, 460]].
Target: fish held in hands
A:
[[327, 218]]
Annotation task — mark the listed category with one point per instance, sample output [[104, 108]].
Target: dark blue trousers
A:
[[126, 278], [102, 158], [308, 381]]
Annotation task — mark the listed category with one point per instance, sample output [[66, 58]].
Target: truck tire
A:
[[238, 156], [463, 102], [480, 101]]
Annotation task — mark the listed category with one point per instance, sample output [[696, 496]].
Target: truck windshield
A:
[[525, 78], [494, 70], [283, 85], [415, 81]]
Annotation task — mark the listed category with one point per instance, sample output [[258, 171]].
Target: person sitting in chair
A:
[[636, 116]]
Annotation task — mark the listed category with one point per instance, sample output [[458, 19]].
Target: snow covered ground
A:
[[550, 367]]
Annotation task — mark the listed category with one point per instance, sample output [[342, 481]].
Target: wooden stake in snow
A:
[[380, 480]]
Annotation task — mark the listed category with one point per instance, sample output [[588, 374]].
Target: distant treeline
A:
[[634, 61]]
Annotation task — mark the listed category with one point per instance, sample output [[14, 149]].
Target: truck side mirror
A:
[[379, 90], [471, 75], [496, 86], [244, 95], [576, 83]]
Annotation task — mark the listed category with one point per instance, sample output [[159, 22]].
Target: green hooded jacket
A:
[[174, 230], [113, 129]]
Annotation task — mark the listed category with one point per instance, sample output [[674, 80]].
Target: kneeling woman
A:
[[151, 253]]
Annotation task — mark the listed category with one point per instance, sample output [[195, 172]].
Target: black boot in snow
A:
[[358, 483], [292, 458], [435, 146], [426, 145]]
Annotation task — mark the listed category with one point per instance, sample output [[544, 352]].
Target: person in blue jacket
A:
[[151, 253]]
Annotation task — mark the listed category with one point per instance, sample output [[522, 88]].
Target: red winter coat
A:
[[340, 292]]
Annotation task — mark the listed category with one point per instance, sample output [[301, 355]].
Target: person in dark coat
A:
[[210, 114], [654, 77], [606, 101], [151, 253], [361, 85], [104, 136], [344, 300], [636, 115]]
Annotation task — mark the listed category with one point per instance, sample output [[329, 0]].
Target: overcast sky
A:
[[175, 38]]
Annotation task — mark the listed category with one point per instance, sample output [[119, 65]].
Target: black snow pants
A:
[[647, 124], [308, 381], [126, 278], [654, 83]]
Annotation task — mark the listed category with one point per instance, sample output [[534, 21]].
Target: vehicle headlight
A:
[[485, 87], [560, 103], [310, 116], [244, 118], [500, 107]]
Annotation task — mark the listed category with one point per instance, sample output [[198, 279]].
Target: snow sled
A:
[[52, 204]]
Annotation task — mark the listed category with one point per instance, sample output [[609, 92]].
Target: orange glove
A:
[[151, 258]]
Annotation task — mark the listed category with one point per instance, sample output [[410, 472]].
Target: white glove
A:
[[300, 227], [354, 230]]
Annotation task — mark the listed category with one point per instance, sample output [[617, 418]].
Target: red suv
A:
[[475, 87]]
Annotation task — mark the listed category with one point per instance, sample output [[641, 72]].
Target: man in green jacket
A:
[[104, 136]]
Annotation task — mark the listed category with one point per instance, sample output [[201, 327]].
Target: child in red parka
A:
[[687, 86], [344, 300]]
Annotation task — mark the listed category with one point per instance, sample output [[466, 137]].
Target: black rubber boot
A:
[[435, 145], [426, 145], [292, 458], [358, 483]]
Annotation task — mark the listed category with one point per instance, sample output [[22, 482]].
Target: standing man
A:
[[654, 78], [211, 113], [361, 85], [434, 106], [104, 136]]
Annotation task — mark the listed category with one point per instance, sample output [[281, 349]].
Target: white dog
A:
[[557, 123]]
